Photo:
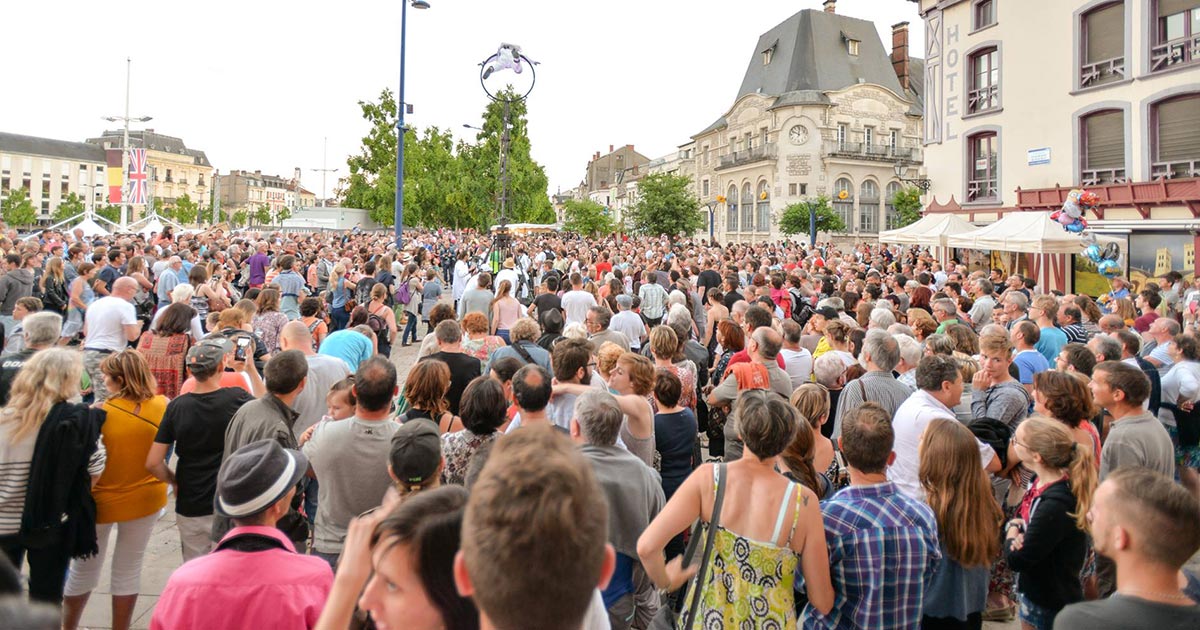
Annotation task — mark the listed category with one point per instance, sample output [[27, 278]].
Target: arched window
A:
[[764, 207], [868, 206], [747, 208], [731, 209], [984, 91], [843, 201], [1102, 148], [1176, 145], [892, 218], [1102, 35]]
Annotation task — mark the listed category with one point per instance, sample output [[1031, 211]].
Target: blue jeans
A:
[[410, 325], [1039, 617], [339, 317], [503, 334]]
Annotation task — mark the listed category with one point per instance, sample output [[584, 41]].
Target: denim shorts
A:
[[1039, 617]]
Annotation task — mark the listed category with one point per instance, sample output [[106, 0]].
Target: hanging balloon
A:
[[1093, 253], [1076, 227], [1109, 269]]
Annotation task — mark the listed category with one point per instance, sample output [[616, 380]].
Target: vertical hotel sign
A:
[[116, 176]]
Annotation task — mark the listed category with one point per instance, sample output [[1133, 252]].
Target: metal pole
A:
[[216, 197], [125, 208], [400, 134], [324, 168]]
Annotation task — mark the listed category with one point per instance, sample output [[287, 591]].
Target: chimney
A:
[[610, 148], [629, 147], [900, 53], [830, 6]]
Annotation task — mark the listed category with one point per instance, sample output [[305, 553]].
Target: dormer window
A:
[[852, 47], [768, 53]]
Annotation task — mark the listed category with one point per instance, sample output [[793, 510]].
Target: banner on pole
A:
[[112, 158], [138, 177]]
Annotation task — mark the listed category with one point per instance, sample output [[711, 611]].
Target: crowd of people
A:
[[625, 432]]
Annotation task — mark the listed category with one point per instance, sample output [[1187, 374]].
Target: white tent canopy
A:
[[90, 228], [1028, 232], [931, 229]]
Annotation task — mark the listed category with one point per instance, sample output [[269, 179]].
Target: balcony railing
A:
[[982, 190], [1175, 52], [983, 99], [863, 151], [1175, 170], [1098, 176], [759, 153], [1102, 72]]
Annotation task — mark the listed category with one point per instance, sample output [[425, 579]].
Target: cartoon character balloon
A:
[[1077, 203]]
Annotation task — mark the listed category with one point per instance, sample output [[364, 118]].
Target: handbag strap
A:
[[713, 523]]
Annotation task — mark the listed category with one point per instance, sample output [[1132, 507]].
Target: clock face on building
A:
[[798, 134]]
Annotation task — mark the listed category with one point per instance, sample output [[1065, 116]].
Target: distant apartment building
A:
[[823, 109], [175, 170], [250, 190], [49, 170]]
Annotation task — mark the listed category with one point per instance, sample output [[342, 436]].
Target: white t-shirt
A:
[[909, 424], [631, 325], [798, 364], [105, 322], [575, 306]]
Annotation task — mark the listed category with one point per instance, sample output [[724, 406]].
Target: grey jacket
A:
[[634, 492], [14, 286]]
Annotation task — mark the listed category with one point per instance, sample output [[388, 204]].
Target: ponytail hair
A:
[[798, 456], [1051, 439]]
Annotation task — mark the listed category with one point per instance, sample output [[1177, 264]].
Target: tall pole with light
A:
[[401, 106], [325, 171], [712, 209], [125, 208]]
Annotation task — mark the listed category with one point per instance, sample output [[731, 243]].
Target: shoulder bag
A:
[[666, 618]]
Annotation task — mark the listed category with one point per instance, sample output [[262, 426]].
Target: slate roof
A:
[[151, 140], [49, 147]]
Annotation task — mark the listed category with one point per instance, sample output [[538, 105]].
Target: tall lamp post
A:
[[125, 207], [401, 106], [712, 208]]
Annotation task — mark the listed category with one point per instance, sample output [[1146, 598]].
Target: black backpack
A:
[[801, 310], [362, 292], [378, 325]]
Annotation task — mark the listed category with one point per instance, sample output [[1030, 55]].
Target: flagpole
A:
[[125, 207]]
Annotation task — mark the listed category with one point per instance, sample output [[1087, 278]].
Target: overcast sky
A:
[[258, 84]]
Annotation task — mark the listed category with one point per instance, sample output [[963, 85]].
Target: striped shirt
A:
[[876, 386], [654, 299], [883, 548], [16, 459]]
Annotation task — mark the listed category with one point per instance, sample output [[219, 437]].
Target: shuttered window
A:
[[1104, 140], [1105, 33], [1177, 139]]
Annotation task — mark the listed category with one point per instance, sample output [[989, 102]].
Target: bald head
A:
[[769, 342], [1111, 323], [295, 336], [125, 288]]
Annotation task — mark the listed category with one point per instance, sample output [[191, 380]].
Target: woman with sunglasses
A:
[[128, 498]]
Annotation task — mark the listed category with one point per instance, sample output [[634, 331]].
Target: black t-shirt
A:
[[731, 298], [196, 424], [10, 364], [463, 368], [109, 275], [675, 438], [707, 280], [545, 303]]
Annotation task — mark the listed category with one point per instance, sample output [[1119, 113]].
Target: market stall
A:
[[1046, 246]]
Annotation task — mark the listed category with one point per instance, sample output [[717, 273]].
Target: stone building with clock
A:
[[823, 109]]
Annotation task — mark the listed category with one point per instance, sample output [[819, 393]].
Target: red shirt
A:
[[603, 268]]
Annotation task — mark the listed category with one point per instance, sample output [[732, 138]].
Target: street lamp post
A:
[[401, 106], [901, 168], [712, 208], [125, 140], [324, 171]]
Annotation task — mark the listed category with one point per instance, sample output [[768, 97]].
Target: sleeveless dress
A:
[[750, 583]]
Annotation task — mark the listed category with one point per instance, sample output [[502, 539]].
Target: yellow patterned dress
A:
[[750, 583]]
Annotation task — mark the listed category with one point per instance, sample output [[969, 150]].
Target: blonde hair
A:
[[812, 401], [606, 357], [132, 374], [49, 377], [1053, 442]]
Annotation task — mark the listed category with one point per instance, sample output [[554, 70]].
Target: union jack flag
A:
[[138, 177]]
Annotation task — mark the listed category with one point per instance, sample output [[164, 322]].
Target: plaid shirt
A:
[[883, 548]]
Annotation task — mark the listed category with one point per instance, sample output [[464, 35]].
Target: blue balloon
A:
[[1093, 253], [1075, 228], [1109, 269]]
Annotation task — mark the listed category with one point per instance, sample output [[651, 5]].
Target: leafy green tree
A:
[[587, 218], [794, 219], [67, 208], [17, 210], [262, 215], [284, 214], [110, 212], [185, 210], [445, 184], [239, 218], [907, 202], [666, 206]]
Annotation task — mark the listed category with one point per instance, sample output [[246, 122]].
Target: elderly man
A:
[[1015, 308], [167, 280], [1110, 323], [1162, 332], [629, 323], [597, 321], [41, 332], [763, 345], [635, 497], [880, 353], [110, 324], [981, 311]]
